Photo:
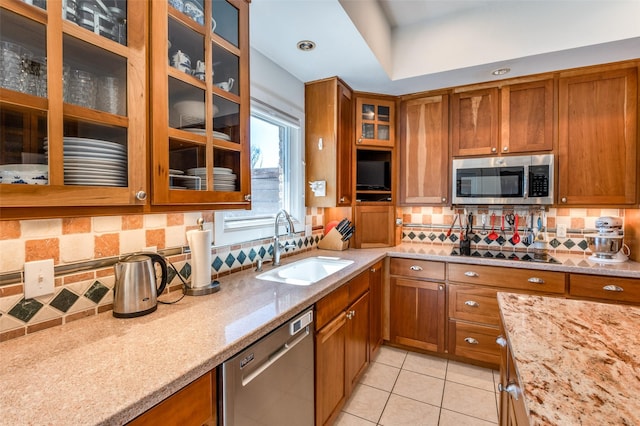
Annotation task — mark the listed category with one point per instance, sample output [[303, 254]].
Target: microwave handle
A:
[[525, 193]]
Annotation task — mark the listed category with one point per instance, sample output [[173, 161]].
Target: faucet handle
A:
[[259, 265]]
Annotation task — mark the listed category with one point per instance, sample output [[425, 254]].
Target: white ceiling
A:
[[405, 46]]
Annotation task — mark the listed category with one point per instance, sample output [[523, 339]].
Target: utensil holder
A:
[[333, 241]]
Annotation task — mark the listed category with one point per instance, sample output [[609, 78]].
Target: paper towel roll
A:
[[200, 244]]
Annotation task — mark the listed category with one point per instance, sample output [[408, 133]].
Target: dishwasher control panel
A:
[[301, 322]]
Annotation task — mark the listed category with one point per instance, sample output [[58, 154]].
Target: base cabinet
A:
[[342, 345], [194, 405], [512, 409], [376, 274], [417, 304]]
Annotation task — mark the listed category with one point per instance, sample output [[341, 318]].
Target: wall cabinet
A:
[[200, 98], [424, 150], [598, 140], [515, 118], [375, 120], [342, 345], [417, 304], [375, 226], [328, 136], [194, 405], [81, 142]]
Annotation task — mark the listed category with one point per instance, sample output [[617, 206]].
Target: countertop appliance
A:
[[271, 382], [607, 244], [515, 180], [135, 292]]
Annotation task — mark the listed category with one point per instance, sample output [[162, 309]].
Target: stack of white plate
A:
[[223, 179], [93, 162], [203, 132]]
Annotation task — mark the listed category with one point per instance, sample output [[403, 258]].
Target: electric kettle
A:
[[135, 292]]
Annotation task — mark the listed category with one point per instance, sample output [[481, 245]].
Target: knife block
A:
[[333, 241]]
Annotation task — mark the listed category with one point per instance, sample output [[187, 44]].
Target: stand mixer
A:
[[607, 245]]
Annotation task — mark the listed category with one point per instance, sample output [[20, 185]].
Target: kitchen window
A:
[[277, 174]]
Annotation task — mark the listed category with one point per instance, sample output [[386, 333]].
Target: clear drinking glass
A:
[[108, 98], [83, 88]]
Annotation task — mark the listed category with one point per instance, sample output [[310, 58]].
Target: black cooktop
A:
[[514, 255]]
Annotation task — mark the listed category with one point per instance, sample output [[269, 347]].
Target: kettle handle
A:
[[156, 258]]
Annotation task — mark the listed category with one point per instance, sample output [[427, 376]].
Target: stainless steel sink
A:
[[306, 271]]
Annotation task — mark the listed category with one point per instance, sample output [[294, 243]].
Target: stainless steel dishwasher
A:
[[271, 381]]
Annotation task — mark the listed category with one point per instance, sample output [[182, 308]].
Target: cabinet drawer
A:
[[521, 279], [417, 268], [358, 285], [608, 288], [474, 303], [474, 341], [331, 305]]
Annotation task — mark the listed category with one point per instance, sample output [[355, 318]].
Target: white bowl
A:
[[192, 111], [28, 174]]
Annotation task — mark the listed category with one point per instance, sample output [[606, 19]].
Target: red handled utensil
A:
[[493, 235], [452, 225], [516, 237]]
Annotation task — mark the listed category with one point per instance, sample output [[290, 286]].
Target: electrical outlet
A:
[[561, 230], [38, 278]]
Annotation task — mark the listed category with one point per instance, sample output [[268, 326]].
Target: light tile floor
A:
[[407, 388]]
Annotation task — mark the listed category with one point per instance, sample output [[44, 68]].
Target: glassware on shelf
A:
[[83, 88], [14, 67], [108, 96]]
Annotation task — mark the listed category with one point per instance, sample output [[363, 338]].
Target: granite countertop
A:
[[105, 370], [578, 363]]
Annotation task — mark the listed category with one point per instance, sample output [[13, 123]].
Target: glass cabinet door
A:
[[83, 132], [201, 138], [375, 122]]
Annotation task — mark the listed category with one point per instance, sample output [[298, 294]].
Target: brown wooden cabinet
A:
[[424, 150], [473, 307], [375, 226], [512, 409], [328, 136], [375, 120], [342, 345], [597, 137], [194, 405], [417, 304], [376, 274], [527, 111], [474, 117], [605, 289], [199, 126], [86, 135]]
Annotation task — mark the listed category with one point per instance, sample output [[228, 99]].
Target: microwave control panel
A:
[[539, 181]]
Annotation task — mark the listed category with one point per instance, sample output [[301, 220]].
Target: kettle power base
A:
[[201, 291]]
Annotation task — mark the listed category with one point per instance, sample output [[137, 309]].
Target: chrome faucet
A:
[[277, 245]]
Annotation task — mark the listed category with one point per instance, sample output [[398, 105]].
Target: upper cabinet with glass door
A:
[[72, 103], [375, 121], [200, 98]]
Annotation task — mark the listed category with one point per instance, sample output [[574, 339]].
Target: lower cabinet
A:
[[195, 405], [376, 275], [342, 345], [417, 304], [512, 409]]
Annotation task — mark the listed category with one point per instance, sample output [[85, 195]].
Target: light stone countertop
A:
[[577, 362], [105, 370]]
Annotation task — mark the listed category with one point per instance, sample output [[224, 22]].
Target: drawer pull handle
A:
[[415, 268], [536, 280], [471, 341], [612, 287], [472, 303], [501, 341], [471, 274]]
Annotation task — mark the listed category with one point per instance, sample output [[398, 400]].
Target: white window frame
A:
[[242, 230]]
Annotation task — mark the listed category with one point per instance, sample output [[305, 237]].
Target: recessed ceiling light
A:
[[501, 71], [306, 45]]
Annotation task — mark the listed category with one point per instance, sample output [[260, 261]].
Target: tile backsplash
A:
[[84, 250]]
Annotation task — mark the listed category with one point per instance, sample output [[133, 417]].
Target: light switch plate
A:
[[561, 230], [38, 278]]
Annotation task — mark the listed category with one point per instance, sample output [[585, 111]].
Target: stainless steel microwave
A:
[[517, 180]]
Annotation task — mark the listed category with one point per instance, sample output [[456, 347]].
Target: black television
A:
[[373, 175]]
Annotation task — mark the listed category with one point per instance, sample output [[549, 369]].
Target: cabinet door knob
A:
[[359, 140], [342, 199], [444, 199], [493, 150], [501, 341], [441, 287], [511, 389], [536, 280], [415, 268], [373, 270], [247, 197], [141, 195], [505, 148], [563, 199], [471, 341], [471, 274], [612, 287], [472, 303]]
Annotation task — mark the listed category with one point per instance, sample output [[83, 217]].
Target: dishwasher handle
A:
[[274, 357]]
